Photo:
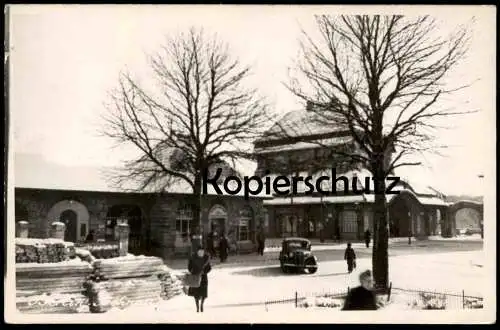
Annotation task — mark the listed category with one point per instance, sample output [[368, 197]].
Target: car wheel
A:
[[311, 266], [284, 269]]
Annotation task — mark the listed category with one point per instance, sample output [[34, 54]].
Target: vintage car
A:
[[296, 255]]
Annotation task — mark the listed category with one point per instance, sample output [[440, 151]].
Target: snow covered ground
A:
[[237, 293], [241, 291]]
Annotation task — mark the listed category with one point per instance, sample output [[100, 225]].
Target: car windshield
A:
[[297, 245]]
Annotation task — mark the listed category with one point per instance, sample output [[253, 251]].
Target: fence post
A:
[[296, 298], [389, 292], [463, 299], [22, 229]]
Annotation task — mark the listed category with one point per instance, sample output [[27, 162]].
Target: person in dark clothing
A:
[[199, 263], [368, 236], [350, 257], [337, 233], [361, 297], [261, 242], [223, 248], [90, 237], [196, 241], [211, 245]]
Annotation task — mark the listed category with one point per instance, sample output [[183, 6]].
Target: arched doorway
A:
[[74, 215], [466, 216], [70, 219], [132, 215], [217, 218], [406, 216], [399, 218]]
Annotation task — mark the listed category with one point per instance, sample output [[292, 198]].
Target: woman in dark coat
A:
[[199, 263]]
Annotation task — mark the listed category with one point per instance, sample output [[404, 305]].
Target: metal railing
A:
[[413, 298]]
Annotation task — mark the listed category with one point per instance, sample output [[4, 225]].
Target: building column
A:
[[360, 216], [57, 230], [445, 228], [123, 231]]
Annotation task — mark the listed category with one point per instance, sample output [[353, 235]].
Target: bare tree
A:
[[200, 115], [381, 78]]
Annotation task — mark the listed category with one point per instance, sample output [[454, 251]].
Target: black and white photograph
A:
[[250, 164]]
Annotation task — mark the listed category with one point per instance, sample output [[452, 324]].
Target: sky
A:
[[65, 59]]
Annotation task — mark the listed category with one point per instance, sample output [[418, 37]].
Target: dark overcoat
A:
[[201, 266]]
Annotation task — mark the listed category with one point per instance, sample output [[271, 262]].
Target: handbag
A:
[[194, 280]]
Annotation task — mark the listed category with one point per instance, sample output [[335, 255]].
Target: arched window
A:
[[183, 222], [245, 224]]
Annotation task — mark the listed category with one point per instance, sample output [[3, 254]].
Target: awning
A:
[[301, 200]]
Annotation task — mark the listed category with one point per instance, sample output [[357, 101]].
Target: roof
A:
[[339, 140], [299, 123], [36, 172]]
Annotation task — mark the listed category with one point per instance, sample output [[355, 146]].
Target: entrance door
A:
[[219, 226], [69, 218]]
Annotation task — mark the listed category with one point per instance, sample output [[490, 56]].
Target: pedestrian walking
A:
[[211, 244], [350, 257], [362, 297], [368, 237], [261, 242], [199, 266], [223, 248], [196, 241], [90, 237]]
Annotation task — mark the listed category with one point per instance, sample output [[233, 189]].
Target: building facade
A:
[[159, 224], [299, 145]]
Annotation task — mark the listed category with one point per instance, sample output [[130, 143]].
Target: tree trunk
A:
[[380, 257], [197, 225]]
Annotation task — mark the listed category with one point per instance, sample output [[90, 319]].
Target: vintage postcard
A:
[[250, 164]]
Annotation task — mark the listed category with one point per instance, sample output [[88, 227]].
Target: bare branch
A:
[[196, 112]]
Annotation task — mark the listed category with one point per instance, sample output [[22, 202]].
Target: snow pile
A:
[[128, 267], [325, 301], [431, 301], [53, 303], [101, 250], [171, 285], [49, 250]]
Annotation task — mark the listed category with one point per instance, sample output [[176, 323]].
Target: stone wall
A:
[[159, 214]]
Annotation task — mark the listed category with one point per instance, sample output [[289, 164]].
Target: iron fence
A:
[[424, 299], [302, 299], [412, 298]]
